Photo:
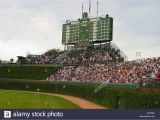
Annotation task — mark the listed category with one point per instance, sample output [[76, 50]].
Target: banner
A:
[[80, 114]]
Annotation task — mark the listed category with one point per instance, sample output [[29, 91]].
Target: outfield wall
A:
[[112, 97], [26, 71]]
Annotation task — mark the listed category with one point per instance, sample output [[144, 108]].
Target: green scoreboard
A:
[[99, 29]]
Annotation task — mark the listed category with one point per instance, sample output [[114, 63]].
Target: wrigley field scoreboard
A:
[[99, 29]]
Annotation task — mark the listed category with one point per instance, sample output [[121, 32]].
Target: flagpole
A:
[[97, 8], [89, 7], [82, 8]]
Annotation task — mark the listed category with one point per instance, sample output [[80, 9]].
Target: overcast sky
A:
[[35, 26]]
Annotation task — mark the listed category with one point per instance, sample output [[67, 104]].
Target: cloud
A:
[[35, 25], [14, 48], [136, 28], [25, 30]]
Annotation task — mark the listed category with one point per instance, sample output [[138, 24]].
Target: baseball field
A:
[[25, 100]]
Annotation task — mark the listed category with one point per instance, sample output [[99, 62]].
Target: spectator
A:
[[120, 72], [98, 55]]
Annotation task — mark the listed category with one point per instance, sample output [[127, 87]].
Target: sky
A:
[[35, 26]]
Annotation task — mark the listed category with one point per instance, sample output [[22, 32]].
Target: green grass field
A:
[[25, 100]]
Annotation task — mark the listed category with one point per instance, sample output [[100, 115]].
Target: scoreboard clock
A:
[[87, 29]]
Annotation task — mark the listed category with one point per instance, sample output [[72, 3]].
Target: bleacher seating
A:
[[105, 54]]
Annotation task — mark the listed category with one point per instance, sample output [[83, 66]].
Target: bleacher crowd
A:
[[120, 72], [98, 55], [97, 65]]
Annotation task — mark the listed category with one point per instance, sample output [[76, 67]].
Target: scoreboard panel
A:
[[87, 30]]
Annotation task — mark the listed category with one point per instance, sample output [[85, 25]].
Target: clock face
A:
[[85, 15]]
